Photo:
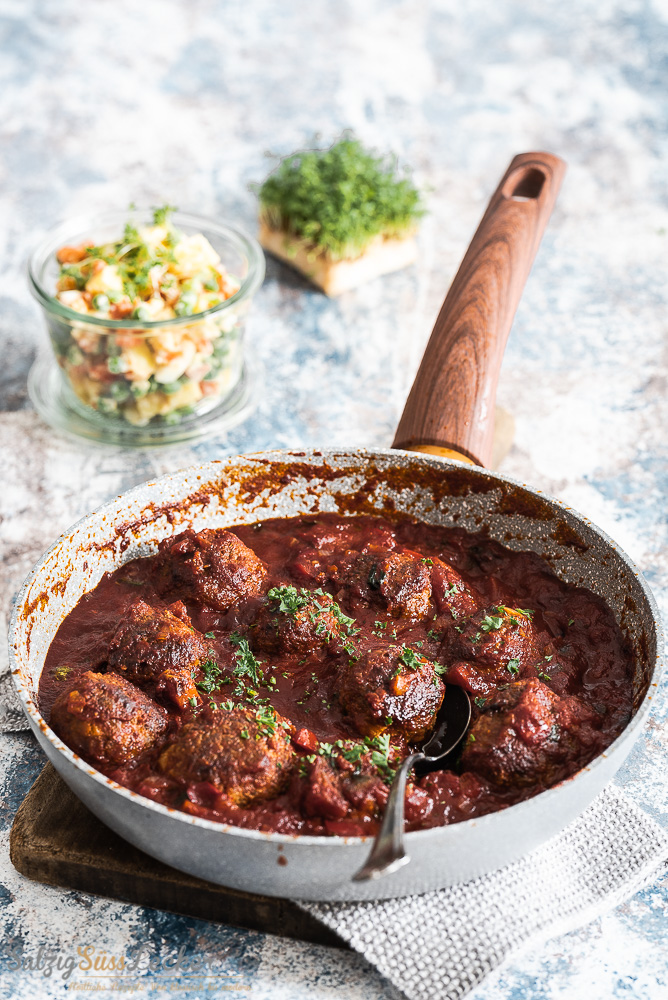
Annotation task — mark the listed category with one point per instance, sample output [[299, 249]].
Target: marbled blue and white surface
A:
[[107, 103]]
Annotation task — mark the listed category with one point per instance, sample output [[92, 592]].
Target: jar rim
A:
[[244, 243]]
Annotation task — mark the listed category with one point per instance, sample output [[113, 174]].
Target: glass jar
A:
[[142, 378]]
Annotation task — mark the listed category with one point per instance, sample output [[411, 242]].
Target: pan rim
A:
[[324, 842]]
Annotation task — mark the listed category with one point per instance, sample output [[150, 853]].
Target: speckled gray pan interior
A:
[[254, 487]]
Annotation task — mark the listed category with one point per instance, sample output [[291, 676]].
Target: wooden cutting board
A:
[[56, 840]]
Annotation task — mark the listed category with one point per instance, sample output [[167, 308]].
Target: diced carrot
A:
[[70, 255]]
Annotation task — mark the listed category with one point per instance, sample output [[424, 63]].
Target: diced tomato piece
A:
[[306, 740]]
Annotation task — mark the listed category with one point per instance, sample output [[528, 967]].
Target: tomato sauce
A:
[[545, 664]]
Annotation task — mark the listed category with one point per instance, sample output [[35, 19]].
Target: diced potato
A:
[[86, 389], [153, 236], [141, 410], [139, 362], [107, 279], [167, 344], [193, 254], [187, 395], [73, 300], [87, 337], [156, 308], [175, 368], [159, 403]]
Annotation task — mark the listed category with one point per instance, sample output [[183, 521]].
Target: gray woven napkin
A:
[[439, 945]]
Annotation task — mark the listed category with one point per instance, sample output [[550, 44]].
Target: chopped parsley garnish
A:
[[209, 635], [289, 599], [410, 658], [490, 623], [247, 665], [513, 667], [212, 674], [266, 718], [480, 702], [380, 755], [427, 562], [161, 215]]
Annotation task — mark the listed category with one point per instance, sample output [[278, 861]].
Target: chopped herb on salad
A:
[[151, 273]]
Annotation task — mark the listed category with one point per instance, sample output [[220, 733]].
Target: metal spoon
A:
[[388, 853]]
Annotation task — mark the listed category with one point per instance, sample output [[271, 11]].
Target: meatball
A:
[[399, 581], [450, 592], [213, 567], [245, 754], [106, 719], [297, 622], [152, 646], [496, 644], [391, 686], [525, 734]]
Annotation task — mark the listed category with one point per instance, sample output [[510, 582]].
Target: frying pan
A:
[[448, 415]]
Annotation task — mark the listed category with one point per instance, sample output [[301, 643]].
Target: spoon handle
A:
[[387, 854]]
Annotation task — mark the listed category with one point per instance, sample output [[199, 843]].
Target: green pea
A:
[[220, 348], [74, 355], [106, 405], [214, 368], [117, 365], [172, 418], [120, 391], [171, 387]]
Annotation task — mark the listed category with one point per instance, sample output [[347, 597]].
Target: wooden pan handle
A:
[[450, 409]]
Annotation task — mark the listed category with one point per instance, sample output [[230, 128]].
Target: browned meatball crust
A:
[[298, 622], [450, 593], [244, 757], [398, 581], [212, 566], [107, 719], [391, 687], [494, 646], [525, 733], [153, 646]]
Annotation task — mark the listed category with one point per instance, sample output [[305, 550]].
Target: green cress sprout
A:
[[338, 200]]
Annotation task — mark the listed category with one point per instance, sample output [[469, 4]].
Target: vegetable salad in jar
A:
[[152, 319]]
